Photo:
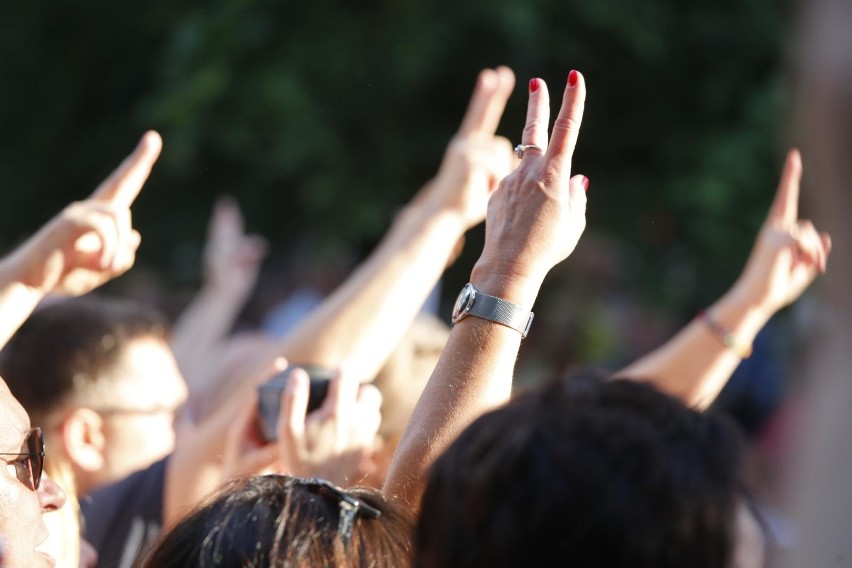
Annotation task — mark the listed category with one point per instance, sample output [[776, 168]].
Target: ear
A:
[[84, 440]]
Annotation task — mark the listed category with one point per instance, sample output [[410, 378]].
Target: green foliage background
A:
[[326, 116]]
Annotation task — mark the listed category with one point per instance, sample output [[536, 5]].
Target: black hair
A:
[[585, 472], [277, 521]]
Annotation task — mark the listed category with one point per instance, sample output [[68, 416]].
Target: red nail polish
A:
[[585, 183], [572, 78], [534, 85]]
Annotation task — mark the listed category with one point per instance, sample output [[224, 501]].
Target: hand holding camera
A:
[[321, 424], [336, 441]]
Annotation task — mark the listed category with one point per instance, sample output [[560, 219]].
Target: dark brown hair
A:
[[278, 521], [585, 472], [68, 346]]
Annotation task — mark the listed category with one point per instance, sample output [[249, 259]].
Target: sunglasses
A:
[[29, 464], [350, 507]]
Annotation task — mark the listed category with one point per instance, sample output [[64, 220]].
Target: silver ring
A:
[[521, 148]]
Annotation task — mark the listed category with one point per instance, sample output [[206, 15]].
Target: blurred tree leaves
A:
[[326, 116]]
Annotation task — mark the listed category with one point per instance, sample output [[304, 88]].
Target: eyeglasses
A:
[[119, 410], [350, 507], [30, 463]]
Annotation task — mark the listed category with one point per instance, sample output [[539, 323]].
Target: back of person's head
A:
[[277, 521], [98, 375], [585, 472]]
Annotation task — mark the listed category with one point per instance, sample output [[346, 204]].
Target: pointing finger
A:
[[294, 405], [124, 184], [342, 393], [785, 207]]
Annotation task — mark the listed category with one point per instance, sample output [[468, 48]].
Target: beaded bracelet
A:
[[726, 337]]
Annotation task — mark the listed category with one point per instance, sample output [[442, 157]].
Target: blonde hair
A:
[[404, 376]]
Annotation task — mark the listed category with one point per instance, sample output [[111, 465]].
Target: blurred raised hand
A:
[[90, 241], [231, 257], [789, 252], [86, 244], [232, 262], [384, 294], [476, 158]]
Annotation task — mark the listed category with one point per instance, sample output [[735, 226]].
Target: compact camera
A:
[[269, 397]]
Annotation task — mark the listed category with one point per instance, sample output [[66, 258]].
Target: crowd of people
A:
[[392, 440]]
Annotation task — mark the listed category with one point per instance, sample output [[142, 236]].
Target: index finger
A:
[[342, 392], [124, 184], [294, 405], [566, 129], [785, 207], [493, 87]]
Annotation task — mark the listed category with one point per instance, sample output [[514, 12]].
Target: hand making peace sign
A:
[[537, 215], [476, 159]]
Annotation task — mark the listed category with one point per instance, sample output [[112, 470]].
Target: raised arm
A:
[[534, 221], [85, 245], [789, 253], [358, 324], [378, 302], [231, 264]]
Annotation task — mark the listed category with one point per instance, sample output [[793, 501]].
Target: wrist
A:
[[218, 290], [741, 299], [740, 317], [15, 288], [513, 287], [420, 213], [13, 274]]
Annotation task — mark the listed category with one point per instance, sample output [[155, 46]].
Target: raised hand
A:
[[476, 160], [537, 215], [90, 241], [788, 253], [231, 257], [695, 364], [534, 221]]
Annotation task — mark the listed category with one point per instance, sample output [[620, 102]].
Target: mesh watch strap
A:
[[502, 312]]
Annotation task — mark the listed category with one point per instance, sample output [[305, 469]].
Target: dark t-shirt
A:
[[123, 519]]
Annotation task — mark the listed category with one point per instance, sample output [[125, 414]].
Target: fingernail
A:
[[572, 78], [585, 183], [534, 85]]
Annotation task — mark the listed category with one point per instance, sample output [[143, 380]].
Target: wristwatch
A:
[[472, 302]]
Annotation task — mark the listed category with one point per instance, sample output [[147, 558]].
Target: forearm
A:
[[695, 364], [196, 467], [17, 301], [206, 320], [473, 376], [359, 323]]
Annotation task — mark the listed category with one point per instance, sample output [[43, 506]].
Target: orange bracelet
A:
[[726, 337]]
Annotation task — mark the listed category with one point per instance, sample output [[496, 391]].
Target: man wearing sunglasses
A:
[[25, 494]]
